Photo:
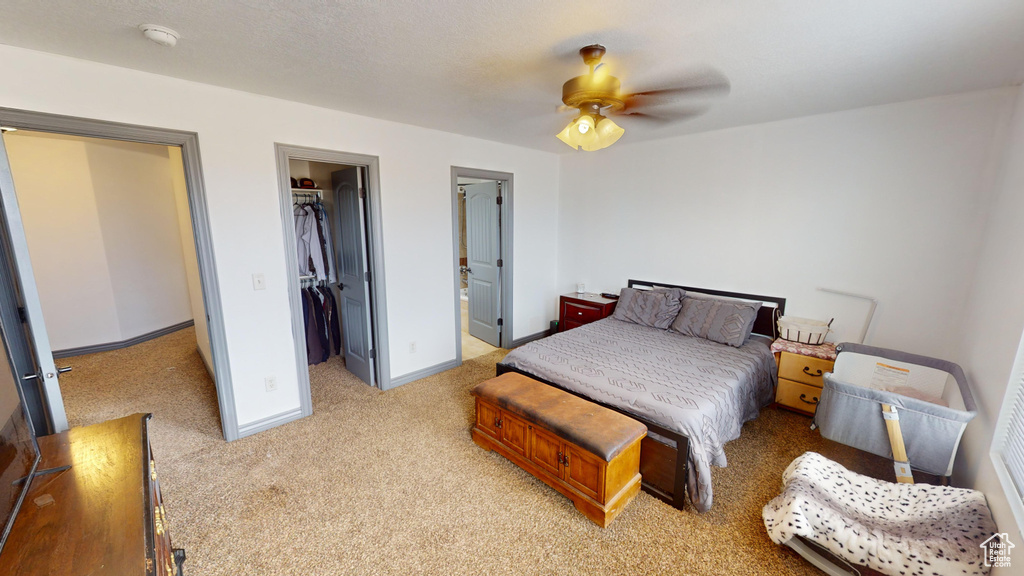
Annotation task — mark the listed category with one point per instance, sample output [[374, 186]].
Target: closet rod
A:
[[312, 281], [318, 194]]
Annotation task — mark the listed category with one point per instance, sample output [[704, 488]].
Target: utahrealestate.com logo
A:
[[997, 550]]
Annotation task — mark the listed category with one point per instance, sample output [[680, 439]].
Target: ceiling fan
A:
[[598, 93]]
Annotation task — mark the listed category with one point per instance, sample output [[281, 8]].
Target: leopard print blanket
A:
[[898, 529]]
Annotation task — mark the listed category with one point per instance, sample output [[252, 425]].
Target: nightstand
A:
[[575, 310], [801, 367]]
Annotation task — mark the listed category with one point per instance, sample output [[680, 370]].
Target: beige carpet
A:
[[391, 483]]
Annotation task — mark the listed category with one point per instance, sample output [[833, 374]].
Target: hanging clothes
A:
[[303, 235], [333, 321], [318, 265], [314, 251], [323, 270], [314, 347], [327, 242], [313, 242], [322, 324]]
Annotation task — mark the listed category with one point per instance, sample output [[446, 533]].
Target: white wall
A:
[[888, 201], [993, 321], [134, 190], [62, 224], [103, 234], [191, 261], [237, 132]]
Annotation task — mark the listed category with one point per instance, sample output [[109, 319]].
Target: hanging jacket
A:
[[317, 266], [304, 227], [321, 323], [332, 272], [314, 345], [324, 272], [334, 322]]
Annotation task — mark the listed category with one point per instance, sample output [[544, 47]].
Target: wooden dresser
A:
[[578, 309], [801, 368], [102, 516]]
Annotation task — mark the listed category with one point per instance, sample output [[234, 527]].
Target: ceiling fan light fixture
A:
[[579, 133], [566, 135], [608, 132], [584, 124], [590, 133], [598, 93]]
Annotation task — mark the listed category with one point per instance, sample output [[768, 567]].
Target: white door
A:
[[27, 299], [483, 248], [353, 277]]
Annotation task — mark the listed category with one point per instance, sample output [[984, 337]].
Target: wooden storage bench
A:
[[585, 451]]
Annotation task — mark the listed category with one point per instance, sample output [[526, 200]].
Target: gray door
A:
[[483, 248], [23, 363], [22, 314], [353, 277]]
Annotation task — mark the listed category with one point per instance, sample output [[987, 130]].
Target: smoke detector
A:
[[162, 35]]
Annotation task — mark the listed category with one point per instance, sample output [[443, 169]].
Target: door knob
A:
[[64, 369], [27, 377]]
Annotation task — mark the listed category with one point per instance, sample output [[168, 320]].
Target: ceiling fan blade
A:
[[563, 108], [647, 118], [664, 118], [706, 85]]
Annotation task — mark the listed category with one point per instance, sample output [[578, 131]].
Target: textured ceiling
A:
[[494, 68]]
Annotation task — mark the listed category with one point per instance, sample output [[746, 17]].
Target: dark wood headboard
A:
[[765, 322]]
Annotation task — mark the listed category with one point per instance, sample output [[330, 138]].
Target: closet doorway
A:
[[107, 241], [330, 212], [482, 230]]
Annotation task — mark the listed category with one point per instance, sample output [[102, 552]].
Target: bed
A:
[[693, 394]]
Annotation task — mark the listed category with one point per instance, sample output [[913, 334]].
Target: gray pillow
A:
[[720, 320], [656, 308]]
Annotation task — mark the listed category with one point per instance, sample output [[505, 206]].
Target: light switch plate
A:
[[259, 281]]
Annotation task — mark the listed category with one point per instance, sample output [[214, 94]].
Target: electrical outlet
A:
[[412, 347], [259, 281], [271, 382]]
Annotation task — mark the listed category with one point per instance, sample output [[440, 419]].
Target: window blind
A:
[[1008, 448]]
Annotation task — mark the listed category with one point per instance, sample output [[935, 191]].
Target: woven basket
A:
[[803, 330]]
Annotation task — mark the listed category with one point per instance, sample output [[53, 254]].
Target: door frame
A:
[[375, 246], [505, 273], [201, 231]]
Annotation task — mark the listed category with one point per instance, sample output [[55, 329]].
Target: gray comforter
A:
[[701, 389]]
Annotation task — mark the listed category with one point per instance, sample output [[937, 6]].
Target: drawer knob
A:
[[807, 370], [812, 401]]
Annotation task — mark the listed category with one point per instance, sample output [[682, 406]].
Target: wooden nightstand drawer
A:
[[805, 369], [580, 313], [800, 397]]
